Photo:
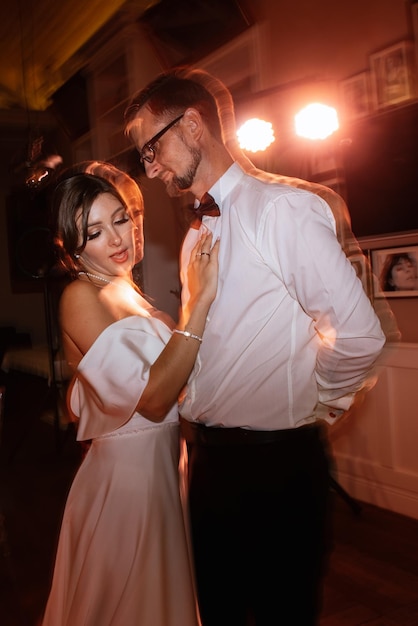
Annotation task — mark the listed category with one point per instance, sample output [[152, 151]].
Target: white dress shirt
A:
[[291, 336]]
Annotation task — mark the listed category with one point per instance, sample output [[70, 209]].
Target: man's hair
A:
[[170, 94]]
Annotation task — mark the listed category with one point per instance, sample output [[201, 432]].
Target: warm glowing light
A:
[[316, 121], [255, 135]]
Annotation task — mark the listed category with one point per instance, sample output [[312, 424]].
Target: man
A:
[[290, 340]]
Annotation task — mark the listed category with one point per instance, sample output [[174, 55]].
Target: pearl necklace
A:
[[130, 285], [104, 280]]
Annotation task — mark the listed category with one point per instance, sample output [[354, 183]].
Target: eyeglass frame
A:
[[151, 143]]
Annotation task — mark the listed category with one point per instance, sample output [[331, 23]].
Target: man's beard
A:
[[180, 184]]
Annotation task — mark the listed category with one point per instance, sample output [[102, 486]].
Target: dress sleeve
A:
[[113, 374]]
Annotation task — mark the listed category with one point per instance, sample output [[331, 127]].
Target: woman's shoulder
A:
[[79, 292], [83, 315], [79, 286]]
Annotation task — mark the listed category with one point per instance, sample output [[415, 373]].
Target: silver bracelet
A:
[[187, 334]]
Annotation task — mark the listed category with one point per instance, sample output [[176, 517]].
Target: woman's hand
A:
[[171, 370], [203, 271]]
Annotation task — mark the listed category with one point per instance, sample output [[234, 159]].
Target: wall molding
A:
[[374, 449]]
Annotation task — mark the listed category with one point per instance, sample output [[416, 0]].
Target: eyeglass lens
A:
[[148, 153]]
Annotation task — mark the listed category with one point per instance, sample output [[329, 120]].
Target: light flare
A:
[[316, 121], [255, 135]]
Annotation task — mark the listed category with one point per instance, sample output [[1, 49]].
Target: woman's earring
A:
[[77, 256]]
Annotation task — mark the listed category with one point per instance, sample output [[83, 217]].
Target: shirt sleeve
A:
[[302, 241], [113, 374]]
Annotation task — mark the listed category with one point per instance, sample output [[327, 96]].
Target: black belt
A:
[[196, 433]]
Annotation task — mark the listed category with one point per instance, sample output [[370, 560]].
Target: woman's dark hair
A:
[[386, 280], [170, 94], [71, 204]]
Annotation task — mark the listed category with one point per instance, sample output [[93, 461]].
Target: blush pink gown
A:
[[123, 557]]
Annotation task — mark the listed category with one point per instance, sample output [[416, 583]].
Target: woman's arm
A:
[[170, 372]]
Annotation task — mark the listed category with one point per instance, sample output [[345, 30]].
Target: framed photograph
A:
[[392, 72], [355, 96], [361, 265], [396, 270], [414, 13]]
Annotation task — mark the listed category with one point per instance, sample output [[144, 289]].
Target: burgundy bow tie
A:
[[207, 206]]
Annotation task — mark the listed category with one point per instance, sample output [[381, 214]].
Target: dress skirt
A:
[[122, 557]]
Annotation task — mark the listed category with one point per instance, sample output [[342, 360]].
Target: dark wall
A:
[[28, 236], [70, 107], [30, 239], [380, 158]]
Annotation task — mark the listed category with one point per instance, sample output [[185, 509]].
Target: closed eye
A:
[[94, 235], [122, 220]]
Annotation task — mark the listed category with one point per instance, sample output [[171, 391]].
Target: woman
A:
[[399, 273], [122, 556]]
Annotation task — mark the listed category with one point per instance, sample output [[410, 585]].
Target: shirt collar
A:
[[224, 185]]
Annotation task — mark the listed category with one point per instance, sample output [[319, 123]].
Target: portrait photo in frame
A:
[[355, 96], [392, 73], [396, 270]]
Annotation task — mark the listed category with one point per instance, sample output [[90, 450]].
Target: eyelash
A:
[[118, 222], [122, 220]]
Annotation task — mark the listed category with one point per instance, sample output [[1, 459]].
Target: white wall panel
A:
[[376, 447]]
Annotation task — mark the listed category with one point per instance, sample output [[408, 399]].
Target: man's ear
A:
[[193, 123]]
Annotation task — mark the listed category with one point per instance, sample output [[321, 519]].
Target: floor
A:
[[373, 571]]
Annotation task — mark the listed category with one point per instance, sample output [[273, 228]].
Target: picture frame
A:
[[361, 265], [392, 73], [396, 270], [414, 15], [355, 96]]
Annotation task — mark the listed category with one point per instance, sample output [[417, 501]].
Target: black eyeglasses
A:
[[147, 152]]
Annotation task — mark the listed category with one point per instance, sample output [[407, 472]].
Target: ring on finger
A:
[[203, 253]]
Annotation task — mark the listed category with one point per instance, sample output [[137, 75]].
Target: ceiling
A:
[[42, 41], [39, 40]]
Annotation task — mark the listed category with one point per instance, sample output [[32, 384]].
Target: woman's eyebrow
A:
[[118, 210], [90, 224]]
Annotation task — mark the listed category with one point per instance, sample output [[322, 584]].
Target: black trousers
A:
[[260, 521]]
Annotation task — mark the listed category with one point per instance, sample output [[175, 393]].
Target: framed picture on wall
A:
[[414, 12], [355, 96], [392, 72], [362, 269], [396, 270]]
